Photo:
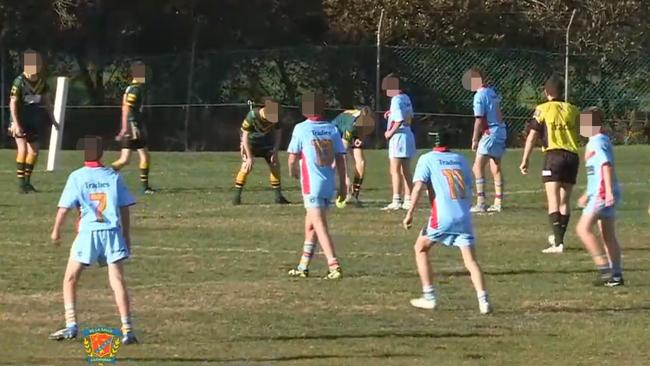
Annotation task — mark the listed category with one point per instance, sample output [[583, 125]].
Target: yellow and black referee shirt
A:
[[557, 122]]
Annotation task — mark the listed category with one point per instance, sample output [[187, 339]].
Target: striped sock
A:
[[127, 325], [397, 198], [356, 186], [70, 316], [480, 192], [617, 269], [240, 180], [498, 193], [30, 162], [428, 293], [308, 250], [482, 296], [144, 174], [20, 170]]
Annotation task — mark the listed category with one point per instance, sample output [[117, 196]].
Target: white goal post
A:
[[60, 101]]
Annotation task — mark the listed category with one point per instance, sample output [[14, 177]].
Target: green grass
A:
[[208, 280]]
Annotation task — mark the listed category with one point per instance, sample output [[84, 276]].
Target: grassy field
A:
[[208, 280]]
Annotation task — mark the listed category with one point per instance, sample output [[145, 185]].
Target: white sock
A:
[[482, 296]]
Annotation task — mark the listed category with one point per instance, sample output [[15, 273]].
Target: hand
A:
[[386, 114], [582, 201], [408, 220], [16, 131], [523, 168], [474, 145], [248, 164], [274, 157], [121, 134], [56, 238], [388, 135], [609, 199]]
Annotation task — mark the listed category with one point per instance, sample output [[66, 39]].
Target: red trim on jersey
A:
[[304, 171], [589, 154], [441, 149], [315, 117], [93, 164], [433, 220]]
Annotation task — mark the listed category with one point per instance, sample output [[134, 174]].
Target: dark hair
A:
[[554, 85], [441, 138]]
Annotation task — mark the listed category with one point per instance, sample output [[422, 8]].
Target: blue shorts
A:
[[597, 207], [402, 145], [99, 246], [449, 239], [316, 202], [492, 146]]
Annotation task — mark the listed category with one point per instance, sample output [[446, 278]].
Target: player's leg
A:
[[240, 178], [359, 171], [30, 162], [70, 279], [318, 219], [145, 163], [565, 208], [469, 259], [607, 227], [21, 156], [592, 243], [553, 200], [495, 168], [479, 178], [421, 251], [397, 181], [275, 178], [118, 284], [123, 160], [308, 250], [405, 169]]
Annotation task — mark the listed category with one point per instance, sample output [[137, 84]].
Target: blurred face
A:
[[138, 71], [271, 111], [476, 83], [391, 85], [31, 63], [590, 123]]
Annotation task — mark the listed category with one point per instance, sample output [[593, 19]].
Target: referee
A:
[[556, 124]]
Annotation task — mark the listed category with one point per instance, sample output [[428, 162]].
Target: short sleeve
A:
[[604, 151], [339, 148], [537, 123], [396, 113], [131, 96], [295, 145], [16, 90], [70, 196], [422, 171], [479, 105], [124, 197]]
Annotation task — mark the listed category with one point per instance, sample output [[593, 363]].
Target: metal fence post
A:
[[2, 96], [566, 57], [377, 103], [190, 79]]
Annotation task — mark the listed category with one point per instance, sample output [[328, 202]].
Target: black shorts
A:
[[136, 139], [560, 166], [34, 120], [262, 147]]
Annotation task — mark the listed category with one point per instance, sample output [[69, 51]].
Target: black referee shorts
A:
[[560, 166]]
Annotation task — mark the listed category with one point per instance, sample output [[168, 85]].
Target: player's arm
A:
[[397, 116], [126, 108], [341, 169], [125, 217], [248, 152], [608, 179], [294, 169], [418, 185], [58, 221], [480, 120], [536, 126], [13, 108]]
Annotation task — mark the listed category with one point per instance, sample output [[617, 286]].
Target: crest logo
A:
[[101, 344]]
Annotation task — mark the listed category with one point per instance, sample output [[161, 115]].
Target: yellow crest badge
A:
[[101, 344]]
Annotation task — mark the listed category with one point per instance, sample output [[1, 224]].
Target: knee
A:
[[70, 279], [420, 247], [471, 265]]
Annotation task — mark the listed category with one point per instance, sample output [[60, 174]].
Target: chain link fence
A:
[[206, 116]]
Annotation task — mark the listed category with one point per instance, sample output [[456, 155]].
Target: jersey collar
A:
[[93, 164], [315, 118], [441, 149]]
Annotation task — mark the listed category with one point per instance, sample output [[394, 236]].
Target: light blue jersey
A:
[[401, 110], [99, 193], [402, 143], [487, 104], [449, 180], [598, 153], [317, 143]]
